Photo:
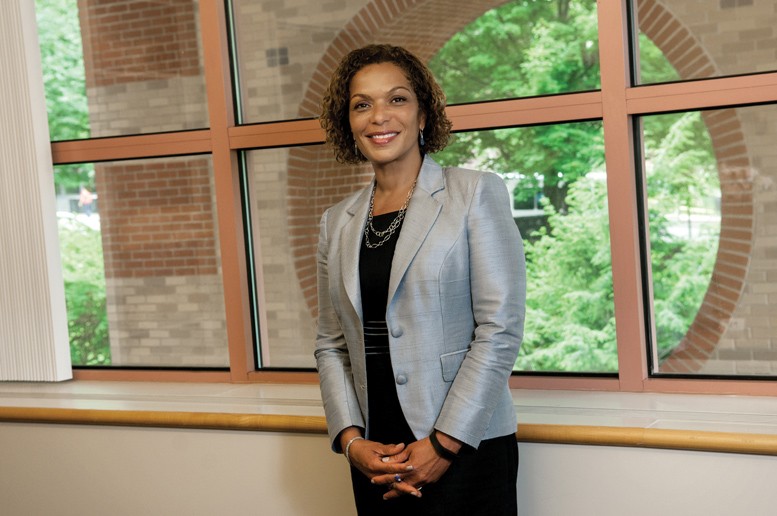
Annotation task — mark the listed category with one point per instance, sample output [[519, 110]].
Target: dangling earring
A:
[[421, 140], [355, 149]]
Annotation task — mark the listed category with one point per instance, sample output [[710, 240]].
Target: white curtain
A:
[[33, 320]]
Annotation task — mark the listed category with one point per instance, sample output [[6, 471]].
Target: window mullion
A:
[[227, 185], [622, 192]]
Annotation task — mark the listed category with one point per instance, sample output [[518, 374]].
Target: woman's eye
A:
[[398, 99], [360, 105]]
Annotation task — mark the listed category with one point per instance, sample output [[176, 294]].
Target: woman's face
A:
[[384, 116]]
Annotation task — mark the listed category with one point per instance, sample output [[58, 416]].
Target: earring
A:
[[355, 148], [421, 140]]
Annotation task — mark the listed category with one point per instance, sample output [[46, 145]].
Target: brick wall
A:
[[157, 218], [140, 40], [160, 247]]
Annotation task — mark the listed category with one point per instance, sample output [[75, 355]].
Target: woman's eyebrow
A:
[[389, 92]]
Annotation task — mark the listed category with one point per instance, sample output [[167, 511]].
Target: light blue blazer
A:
[[455, 308]]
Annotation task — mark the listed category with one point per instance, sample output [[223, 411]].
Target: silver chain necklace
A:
[[386, 234]]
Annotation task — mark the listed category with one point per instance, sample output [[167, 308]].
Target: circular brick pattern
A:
[[316, 181]]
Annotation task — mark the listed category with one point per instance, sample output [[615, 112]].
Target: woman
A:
[[421, 286]]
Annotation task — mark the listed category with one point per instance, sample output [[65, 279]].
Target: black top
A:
[[386, 421]]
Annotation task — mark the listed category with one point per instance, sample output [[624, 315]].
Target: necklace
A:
[[386, 234]]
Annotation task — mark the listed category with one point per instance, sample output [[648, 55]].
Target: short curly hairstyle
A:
[[335, 104]]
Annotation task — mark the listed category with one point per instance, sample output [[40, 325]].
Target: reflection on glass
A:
[[140, 260], [121, 68], [711, 218], [701, 39], [556, 175]]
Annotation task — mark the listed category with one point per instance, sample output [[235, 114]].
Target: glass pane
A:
[[522, 49], [488, 50], [560, 205], [697, 39], [556, 174], [141, 263], [712, 213], [289, 189], [118, 68]]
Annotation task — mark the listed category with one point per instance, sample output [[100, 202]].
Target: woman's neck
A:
[[392, 187]]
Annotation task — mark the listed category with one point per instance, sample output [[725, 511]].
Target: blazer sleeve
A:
[[498, 287], [338, 393]]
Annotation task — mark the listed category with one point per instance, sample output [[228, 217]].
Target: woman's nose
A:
[[379, 113]]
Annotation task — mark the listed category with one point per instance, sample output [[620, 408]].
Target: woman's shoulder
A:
[[467, 179], [343, 206]]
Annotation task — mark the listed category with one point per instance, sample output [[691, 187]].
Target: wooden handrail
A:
[[721, 442]]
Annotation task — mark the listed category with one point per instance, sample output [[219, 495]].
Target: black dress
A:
[[479, 482]]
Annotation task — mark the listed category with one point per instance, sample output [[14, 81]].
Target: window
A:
[[710, 213], [711, 38], [651, 190], [570, 321], [120, 68], [142, 280]]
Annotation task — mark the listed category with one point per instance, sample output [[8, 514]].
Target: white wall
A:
[[63, 470]]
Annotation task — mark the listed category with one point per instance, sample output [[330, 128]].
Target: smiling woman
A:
[[421, 301], [386, 123]]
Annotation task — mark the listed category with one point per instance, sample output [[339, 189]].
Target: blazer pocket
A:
[[451, 362]]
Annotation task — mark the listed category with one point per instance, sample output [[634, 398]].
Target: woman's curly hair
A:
[[336, 101]]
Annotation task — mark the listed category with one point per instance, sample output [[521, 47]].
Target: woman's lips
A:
[[382, 138]]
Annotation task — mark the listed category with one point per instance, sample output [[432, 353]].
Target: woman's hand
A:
[[376, 459], [428, 467]]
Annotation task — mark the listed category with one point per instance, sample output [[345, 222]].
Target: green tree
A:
[[80, 245], [84, 275], [62, 57], [521, 49], [541, 47], [682, 181], [570, 321]]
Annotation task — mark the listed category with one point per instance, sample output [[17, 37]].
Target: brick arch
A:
[[315, 180], [727, 282]]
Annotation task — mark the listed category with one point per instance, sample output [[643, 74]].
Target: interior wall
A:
[[82, 470]]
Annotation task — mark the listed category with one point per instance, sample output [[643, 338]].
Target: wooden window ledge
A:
[[725, 424]]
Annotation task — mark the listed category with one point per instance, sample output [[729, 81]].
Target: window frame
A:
[[617, 104]]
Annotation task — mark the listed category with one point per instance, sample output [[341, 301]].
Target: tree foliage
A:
[[522, 49], [541, 47], [59, 34], [81, 246], [84, 275], [570, 319], [683, 184]]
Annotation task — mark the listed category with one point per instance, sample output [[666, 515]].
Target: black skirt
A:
[[480, 482]]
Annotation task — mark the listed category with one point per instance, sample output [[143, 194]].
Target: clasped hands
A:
[[403, 469]]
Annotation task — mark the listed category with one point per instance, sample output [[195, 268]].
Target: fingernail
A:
[[409, 468], [417, 494], [385, 459], [372, 481]]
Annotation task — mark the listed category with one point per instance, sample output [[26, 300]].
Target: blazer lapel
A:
[[419, 219], [350, 243]]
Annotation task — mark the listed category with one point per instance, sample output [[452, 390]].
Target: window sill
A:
[[737, 424]]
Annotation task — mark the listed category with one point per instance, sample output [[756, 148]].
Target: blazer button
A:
[[401, 379], [396, 332]]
